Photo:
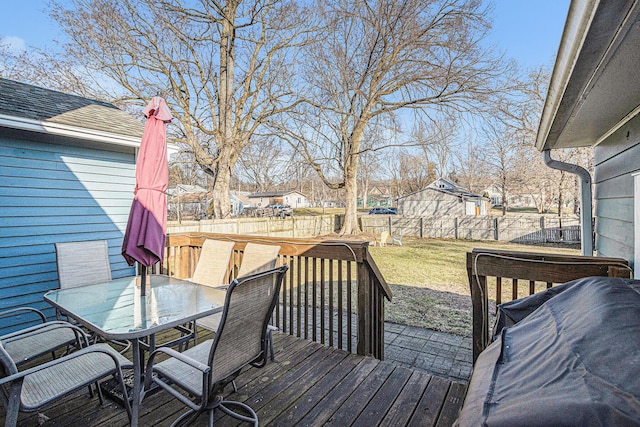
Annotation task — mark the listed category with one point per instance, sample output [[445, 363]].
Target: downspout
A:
[[586, 225]]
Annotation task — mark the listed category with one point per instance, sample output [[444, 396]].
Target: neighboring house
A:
[[515, 199], [594, 100], [494, 192], [379, 196], [187, 202], [239, 201], [443, 197], [292, 198], [67, 174]]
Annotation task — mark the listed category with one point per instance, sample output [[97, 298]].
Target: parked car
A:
[[385, 211], [280, 210]]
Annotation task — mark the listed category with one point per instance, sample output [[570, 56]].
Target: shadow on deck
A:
[[308, 385]]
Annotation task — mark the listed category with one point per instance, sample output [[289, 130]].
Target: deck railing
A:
[[508, 275], [333, 290]]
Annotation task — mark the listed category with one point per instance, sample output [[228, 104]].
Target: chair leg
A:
[[13, 405], [270, 339], [252, 418], [186, 419]]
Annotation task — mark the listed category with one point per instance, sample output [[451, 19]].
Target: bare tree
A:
[[502, 158], [437, 140], [521, 114], [223, 67], [376, 59], [469, 165], [410, 172], [264, 164]]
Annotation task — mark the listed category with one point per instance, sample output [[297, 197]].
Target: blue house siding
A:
[[616, 160], [57, 191]]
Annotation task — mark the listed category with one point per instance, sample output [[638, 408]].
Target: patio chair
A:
[[32, 342], [241, 339], [34, 388], [397, 239], [84, 263], [383, 239], [255, 259], [213, 263]]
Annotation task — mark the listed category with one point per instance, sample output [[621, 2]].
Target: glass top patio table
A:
[[117, 310]]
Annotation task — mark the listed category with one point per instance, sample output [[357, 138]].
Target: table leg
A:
[[137, 378]]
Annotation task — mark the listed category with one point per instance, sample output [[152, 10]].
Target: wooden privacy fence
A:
[[293, 226], [332, 291], [509, 275], [513, 228]]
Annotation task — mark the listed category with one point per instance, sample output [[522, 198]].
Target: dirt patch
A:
[[429, 308]]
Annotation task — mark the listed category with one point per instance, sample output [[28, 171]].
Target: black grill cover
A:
[[572, 358]]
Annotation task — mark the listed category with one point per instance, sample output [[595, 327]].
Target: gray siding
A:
[[54, 192], [430, 202], [616, 159]]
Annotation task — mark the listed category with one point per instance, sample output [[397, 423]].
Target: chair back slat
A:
[[257, 258], [213, 263], [82, 263], [241, 336]]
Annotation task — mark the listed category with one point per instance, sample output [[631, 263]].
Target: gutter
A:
[[586, 224]]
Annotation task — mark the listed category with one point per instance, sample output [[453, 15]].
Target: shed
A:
[[443, 197], [594, 100], [67, 174]]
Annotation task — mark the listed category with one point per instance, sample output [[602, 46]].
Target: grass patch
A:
[[428, 278]]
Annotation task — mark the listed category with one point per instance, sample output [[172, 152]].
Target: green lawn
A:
[[429, 282]]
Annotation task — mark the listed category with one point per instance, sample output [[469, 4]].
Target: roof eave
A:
[[58, 129], [594, 88], [575, 31]]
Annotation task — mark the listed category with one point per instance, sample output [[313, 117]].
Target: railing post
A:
[[480, 307], [364, 311]]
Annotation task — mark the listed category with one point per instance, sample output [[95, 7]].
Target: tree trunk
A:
[[350, 225], [222, 185]]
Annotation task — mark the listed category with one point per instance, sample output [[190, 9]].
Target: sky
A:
[[527, 30]]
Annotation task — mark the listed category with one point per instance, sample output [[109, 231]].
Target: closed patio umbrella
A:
[[144, 239]]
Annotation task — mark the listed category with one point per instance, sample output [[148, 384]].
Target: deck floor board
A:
[[308, 385]]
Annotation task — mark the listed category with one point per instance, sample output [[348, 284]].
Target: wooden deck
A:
[[308, 385]]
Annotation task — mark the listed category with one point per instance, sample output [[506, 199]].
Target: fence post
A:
[[455, 227], [544, 233], [390, 233], [495, 228], [421, 233]]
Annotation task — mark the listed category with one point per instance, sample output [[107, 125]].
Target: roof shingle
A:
[[32, 102]]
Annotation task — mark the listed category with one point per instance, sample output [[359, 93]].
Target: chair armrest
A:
[[205, 369], [91, 349], [43, 329], [14, 311], [179, 356]]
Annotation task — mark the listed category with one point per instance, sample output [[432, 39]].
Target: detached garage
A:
[[443, 197], [67, 174]]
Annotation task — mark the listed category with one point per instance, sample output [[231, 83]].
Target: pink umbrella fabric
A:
[[145, 237]]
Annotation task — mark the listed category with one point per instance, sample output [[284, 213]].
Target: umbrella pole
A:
[[143, 280]]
